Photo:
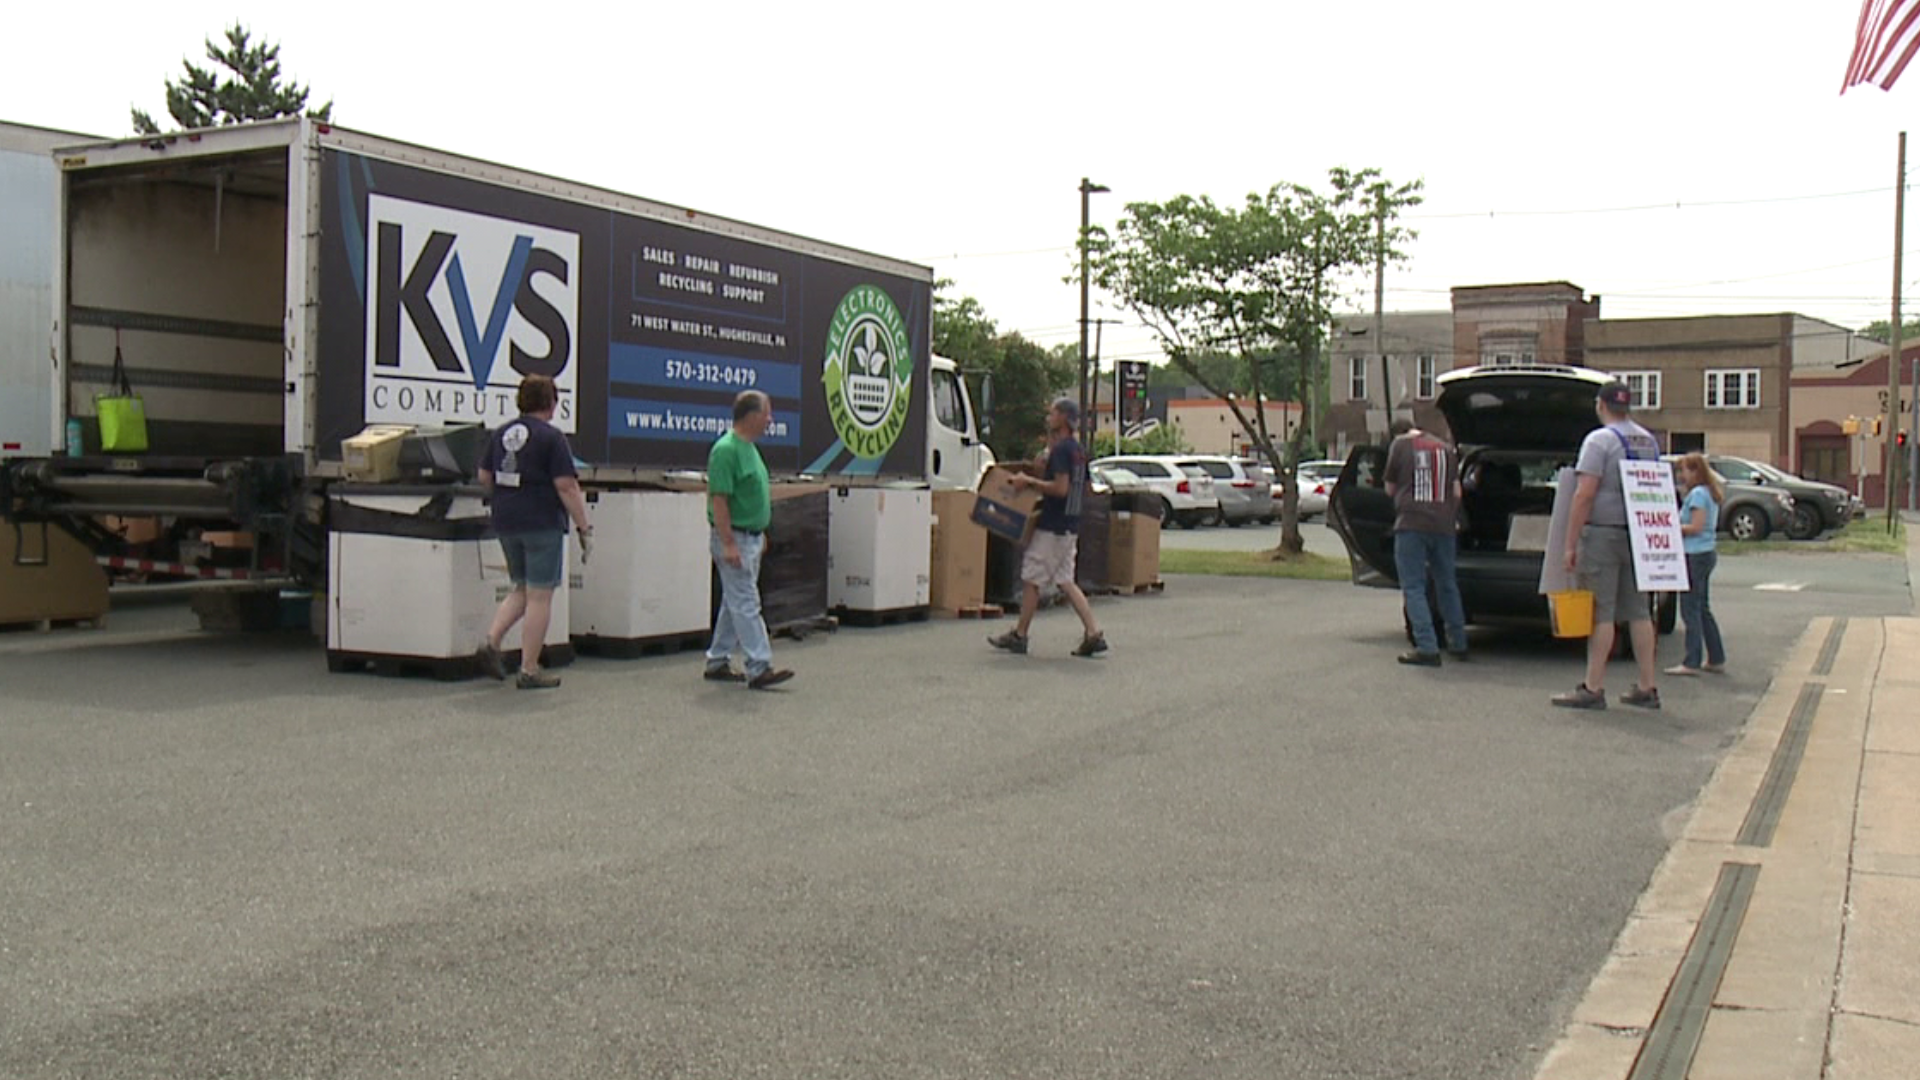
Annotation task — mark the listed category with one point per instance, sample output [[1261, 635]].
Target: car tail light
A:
[[1319, 489], [1243, 483], [1184, 487]]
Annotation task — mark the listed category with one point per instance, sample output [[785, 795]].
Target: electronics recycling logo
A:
[[869, 371]]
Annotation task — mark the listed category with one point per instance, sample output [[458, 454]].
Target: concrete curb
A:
[[1822, 981]]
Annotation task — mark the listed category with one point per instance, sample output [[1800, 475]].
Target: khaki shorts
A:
[[1606, 570], [1049, 559]]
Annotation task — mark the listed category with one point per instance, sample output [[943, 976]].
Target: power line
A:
[[1677, 204]]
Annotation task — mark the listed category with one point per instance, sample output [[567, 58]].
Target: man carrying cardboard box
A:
[[1049, 556]]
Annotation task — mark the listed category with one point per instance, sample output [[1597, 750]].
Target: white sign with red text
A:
[[1653, 523]]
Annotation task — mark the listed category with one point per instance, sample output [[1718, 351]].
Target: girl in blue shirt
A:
[[1699, 520]]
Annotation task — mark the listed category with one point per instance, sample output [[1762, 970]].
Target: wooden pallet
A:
[[978, 611], [633, 648], [443, 668], [890, 617], [799, 629], [45, 626]]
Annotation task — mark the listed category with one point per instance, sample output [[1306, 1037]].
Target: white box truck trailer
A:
[[275, 288]]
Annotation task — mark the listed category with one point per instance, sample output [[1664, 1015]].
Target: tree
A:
[[1026, 376], [248, 89], [1881, 330], [1256, 283]]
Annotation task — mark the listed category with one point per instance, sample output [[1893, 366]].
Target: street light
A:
[[1087, 188]]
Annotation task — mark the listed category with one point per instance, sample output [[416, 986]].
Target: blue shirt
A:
[[1062, 514], [525, 458], [1699, 497]]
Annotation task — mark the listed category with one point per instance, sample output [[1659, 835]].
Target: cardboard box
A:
[[1002, 507], [373, 456], [1134, 557], [958, 573], [47, 574], [133, 530]]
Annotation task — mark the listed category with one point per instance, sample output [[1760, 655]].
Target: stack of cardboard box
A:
[[958, 575], [1133, 554]]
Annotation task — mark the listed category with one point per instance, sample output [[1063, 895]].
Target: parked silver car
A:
[[1242, 486], [1186, 491]]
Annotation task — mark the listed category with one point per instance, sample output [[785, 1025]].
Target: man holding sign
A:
[[1600, 549]]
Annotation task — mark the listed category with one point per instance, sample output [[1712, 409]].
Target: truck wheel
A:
[[1748, 523], [1804, 524]]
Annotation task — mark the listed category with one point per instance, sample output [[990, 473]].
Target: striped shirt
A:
[[1421, 469]]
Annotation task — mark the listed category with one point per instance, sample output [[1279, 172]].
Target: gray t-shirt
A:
[[1601, 454]]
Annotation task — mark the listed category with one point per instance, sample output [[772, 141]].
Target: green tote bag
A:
[[123, 417]]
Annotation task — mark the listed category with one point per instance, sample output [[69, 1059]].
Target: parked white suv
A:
[[1186, 491]]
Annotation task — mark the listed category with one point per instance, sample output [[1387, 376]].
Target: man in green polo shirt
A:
[[739, 506]]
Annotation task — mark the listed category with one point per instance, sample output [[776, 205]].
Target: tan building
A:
[[1419, 348], [1717, 383], [1532, 323], [1210, 427]]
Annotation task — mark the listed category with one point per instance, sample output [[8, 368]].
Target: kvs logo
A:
[[502, 287]]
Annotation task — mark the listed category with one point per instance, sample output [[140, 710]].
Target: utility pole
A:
[[1093, 405], [1379, 293], [1087, 189], [1893, 352]]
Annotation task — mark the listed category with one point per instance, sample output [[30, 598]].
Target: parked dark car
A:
[[1817, 507], [1752, 511], [1516, 427]]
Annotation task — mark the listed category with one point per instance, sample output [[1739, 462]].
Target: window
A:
[[1357, 376], [1507, 350], [1733, 388], [1645, 386], [1423, 378], [946, 401]]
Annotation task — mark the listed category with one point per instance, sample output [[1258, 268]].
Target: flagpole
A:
[[1893, 354]]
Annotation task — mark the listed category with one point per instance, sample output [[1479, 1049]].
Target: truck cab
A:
[[957, 456]]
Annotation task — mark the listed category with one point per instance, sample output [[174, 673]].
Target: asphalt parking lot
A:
[[1244, 844]]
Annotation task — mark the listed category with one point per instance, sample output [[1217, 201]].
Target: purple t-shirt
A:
[[525, 458]]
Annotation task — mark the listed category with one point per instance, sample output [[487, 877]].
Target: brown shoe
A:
[[769, 679]]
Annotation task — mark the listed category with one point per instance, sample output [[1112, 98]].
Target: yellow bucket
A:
[[1572, 613]]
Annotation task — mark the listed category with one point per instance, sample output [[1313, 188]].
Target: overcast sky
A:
[[956, 134]]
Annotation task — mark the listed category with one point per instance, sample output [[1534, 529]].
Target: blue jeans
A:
[[1697, 609], [1418, 556], [738, 624]]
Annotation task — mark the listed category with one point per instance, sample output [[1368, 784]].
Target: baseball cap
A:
[[1616, 394]]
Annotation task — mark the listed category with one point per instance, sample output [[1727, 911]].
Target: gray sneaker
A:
[[1091, 646], [487, 658], [536, 680], [1645, 699], [1581, 698], [1013, 641]]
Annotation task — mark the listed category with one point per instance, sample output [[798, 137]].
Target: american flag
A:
[[1888, 36]]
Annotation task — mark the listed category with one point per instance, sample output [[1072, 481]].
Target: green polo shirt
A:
[[735, 470]]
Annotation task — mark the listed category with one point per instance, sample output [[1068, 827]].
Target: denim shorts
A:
[[534, 559]]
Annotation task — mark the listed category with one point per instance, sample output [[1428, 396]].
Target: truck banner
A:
[[439, 293]]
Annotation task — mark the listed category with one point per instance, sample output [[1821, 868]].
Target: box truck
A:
[[274, 289]]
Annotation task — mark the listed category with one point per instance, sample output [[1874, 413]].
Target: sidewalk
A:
[[1781, 935]]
